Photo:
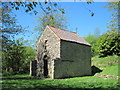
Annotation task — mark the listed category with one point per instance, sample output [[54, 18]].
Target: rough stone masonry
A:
[[61, 54]]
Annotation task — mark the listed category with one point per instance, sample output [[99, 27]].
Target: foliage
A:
[[113, 6], [9, 26], [13, 52], [10, 48], [29, 54], [47, 6], [19, 55], [92, 39], [13, 55], [108, 44], [56, 20]]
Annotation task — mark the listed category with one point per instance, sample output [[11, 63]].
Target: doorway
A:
[[45, 66]]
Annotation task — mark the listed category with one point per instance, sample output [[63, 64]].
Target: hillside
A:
[[108, 65]]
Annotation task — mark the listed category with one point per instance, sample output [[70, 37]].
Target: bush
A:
[[107, 44]]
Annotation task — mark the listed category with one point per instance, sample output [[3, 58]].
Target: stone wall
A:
[[33, 67], [51, 44], [75, 60], [65, 59]]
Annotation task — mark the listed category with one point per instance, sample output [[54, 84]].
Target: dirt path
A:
[[107, 76]]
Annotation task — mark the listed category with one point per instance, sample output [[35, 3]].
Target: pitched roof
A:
[[68, 36]]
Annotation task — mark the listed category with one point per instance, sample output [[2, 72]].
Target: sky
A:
[[77, 16]]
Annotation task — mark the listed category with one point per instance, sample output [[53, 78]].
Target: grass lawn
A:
[[77, 82], [111, 70], [109, 65]]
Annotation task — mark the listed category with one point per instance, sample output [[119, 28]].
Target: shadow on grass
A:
[[19, 78], [55, 88], [95, 70]]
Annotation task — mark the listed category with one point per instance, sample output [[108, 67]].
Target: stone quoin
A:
[[61, 54]]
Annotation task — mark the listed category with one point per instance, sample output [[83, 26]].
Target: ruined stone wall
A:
[[52, 45], [75, 60], [33, 67]]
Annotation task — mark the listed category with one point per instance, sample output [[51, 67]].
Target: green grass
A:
[[77, 82], [105, 60], [109, 65], [111, 70]]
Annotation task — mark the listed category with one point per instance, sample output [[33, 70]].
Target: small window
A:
[[46, 41]]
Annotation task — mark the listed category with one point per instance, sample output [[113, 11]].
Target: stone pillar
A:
[[33, 67]]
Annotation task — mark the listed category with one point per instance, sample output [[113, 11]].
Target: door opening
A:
[[45, 67]]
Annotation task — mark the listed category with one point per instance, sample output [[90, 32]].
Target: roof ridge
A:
[[53, 31], [63, 29], [68, 35], [68, 31]]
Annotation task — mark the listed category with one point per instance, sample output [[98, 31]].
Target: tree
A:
[[108, 44], [12, 58], [28, 55], [56, 20], [11, 49], [9, 26], [97, 32], [114, 7], [18, 57], [8, 20], [91, 38], [46, 6]]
